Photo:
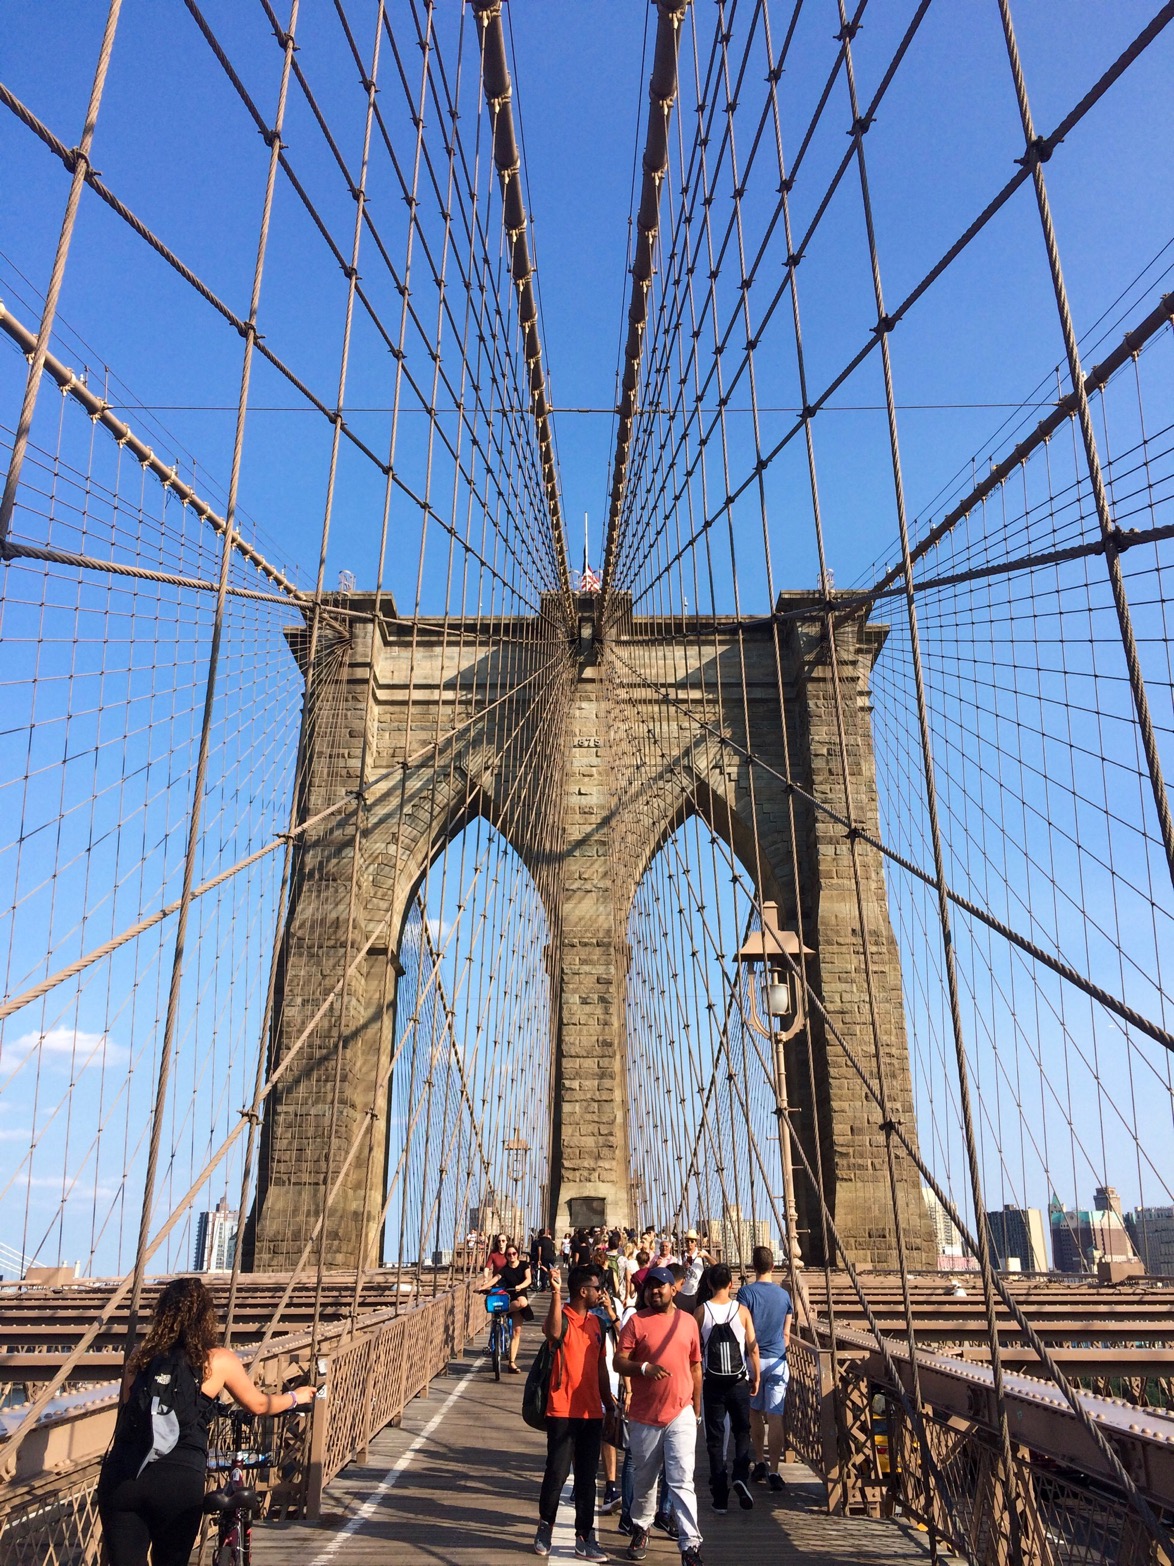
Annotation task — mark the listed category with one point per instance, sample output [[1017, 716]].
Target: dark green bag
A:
[[537, 1388]]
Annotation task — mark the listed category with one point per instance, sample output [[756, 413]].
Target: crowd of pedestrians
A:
[[650, 1342]]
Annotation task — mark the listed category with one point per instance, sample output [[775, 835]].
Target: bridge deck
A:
[[458, 1483]]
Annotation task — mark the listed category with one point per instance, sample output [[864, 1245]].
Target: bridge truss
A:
[[349, 277]]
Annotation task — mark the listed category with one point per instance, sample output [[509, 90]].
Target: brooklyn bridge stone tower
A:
[[429, 724]]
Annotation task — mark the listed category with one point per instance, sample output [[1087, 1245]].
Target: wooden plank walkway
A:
[[458, 1484]]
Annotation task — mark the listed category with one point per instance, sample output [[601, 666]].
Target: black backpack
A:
[[547, 1364], [724, 1360], [162, 1408]]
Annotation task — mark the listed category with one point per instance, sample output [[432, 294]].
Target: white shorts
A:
[[771, 1396]]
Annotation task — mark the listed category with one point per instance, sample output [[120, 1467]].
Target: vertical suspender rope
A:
[[1034, 156], [196, 812], [944, 916], [309, 692]]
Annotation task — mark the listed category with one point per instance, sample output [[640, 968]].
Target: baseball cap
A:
[[659, 1275]]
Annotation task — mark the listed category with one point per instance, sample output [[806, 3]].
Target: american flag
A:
[[589, 582]]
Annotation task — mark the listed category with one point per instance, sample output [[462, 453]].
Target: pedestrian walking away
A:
[[547, 1258], [151, 1487], [579, 1393], [772, 1312], [660, 1349], [729, 1378]]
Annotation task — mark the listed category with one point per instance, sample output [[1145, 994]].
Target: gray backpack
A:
[[163, 1406]]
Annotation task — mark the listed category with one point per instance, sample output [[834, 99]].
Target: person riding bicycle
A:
[[514, 1279], [151, 1487]]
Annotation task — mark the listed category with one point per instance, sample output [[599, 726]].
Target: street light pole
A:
[[779, 952]]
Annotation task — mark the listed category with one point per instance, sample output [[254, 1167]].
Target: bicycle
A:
[[497, 1306], [235, 1503]]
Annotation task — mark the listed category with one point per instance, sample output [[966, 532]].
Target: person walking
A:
[[729, 1379], [150, 1499], [579, 1393], [608, 1309], [660, 1349], [694, 1261], [771, 1311], [547, 1258]]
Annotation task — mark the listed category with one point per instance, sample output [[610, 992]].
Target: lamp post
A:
[[517, 1150], [636, 1188], [779, 953]]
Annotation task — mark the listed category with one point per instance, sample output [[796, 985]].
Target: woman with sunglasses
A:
[[514, 1278]]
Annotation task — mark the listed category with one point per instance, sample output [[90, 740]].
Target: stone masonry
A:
[[632, 731]]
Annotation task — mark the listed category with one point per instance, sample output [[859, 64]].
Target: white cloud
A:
[[66, 1045], [73, 1188], [439, 930]]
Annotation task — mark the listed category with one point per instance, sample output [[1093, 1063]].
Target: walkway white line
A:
[[562, 1538], [354, 1523]]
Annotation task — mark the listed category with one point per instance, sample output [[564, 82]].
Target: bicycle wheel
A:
[[495, 1348]]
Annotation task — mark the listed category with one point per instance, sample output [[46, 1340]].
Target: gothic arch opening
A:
[[470, 1047], [703, 1132]]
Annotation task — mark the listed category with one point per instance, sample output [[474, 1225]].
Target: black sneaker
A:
[[587, 1549], [692, 1556], [721, 1508], [638, 1544], [777, 1482], [742, 1491], [624, 1525], [542, 1539], [667, 1524], [758, 1473], [612, 1499]]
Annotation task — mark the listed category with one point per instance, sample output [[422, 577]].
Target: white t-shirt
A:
[[694, 1269]]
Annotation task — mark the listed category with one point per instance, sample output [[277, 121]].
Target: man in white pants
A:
[[660, 1349]]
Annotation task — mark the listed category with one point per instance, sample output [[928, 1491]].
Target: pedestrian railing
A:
[[369, 1374], [1060, 1503], [373, 1376]]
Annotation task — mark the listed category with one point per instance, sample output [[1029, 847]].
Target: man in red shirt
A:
[[660, 1349], [579, 1391]]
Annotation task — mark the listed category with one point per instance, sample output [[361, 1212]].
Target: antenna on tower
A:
[[586, 567]]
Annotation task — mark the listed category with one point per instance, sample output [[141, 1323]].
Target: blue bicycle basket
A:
[[497, 1302]]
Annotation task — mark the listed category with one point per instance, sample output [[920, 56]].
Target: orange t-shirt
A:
[[574, 1376], [669, 1338]]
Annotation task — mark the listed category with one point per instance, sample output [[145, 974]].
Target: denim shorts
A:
[[772, 1388]]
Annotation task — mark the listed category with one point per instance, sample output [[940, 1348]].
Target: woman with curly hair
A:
[[150, 1499]]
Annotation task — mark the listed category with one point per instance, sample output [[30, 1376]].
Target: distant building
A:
[[952, 1254], [495, 1214], [1152, 1231], [216, 1239], [1081, 1239], [733, 1237], [1018, 1239]]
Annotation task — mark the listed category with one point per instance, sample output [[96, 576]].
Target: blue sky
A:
[[944, 143]]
